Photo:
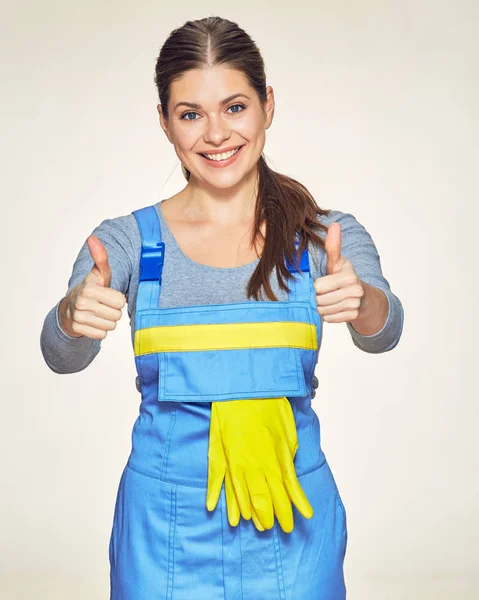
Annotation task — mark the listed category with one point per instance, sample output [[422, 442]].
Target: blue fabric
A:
[[164, 543]]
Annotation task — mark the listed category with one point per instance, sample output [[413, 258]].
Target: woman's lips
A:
[[218, 164]]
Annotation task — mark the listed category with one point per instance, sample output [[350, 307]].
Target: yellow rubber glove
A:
[[217, 472], [252, 446]]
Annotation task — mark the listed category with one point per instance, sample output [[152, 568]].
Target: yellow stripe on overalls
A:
[[225, 336]]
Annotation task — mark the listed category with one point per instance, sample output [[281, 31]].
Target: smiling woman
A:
[[227, 492], [207, 137]]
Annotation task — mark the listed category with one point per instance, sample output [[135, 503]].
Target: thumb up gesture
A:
[[101, 271], [340, 292], [92, 308]]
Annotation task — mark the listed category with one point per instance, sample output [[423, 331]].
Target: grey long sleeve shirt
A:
[[187, 282]]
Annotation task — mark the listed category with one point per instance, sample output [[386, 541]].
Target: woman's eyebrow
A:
[[222, 103]]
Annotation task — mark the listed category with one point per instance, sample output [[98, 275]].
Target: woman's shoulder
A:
[[123, 228], [337, 216], [121, 237], [354, 238]]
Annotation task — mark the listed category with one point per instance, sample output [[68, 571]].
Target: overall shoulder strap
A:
[[300, 286], [151, 260]]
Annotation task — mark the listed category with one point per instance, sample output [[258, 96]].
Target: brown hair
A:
[[283, 203]]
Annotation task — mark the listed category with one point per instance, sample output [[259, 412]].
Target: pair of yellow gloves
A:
[[252, 445]]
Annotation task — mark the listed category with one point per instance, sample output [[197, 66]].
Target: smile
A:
[[222, 159]]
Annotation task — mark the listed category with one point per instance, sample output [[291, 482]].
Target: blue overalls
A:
[[164, 543]]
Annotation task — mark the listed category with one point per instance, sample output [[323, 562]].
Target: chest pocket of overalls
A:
[[233, 351]]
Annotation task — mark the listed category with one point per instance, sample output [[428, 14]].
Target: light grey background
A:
[[376, 113]]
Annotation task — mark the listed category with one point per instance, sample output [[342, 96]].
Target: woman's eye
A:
[[188, 113], [240, 105], [184, 115]]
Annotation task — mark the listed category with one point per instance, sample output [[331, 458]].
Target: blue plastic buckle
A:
[[151, 263], [303, 263]]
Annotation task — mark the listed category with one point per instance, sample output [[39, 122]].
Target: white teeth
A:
[[222, 156]]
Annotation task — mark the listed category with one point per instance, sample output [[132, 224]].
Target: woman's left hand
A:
[[340, 293]]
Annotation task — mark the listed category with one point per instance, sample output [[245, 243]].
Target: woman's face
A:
[[204, 118]]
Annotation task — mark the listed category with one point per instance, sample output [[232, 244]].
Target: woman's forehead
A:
[[211, 84]]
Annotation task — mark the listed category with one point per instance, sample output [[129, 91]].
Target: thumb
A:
[[101, 267], [332, 245]]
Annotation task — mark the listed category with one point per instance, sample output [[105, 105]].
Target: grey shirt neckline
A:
[[169, 237]]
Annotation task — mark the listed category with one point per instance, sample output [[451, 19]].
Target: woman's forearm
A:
[[373, 312]]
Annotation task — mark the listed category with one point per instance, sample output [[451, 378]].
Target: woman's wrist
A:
[[65, 320]]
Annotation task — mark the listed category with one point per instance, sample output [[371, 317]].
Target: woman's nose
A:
[[216, 130]]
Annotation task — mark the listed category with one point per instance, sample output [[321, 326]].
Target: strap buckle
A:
[[151, 263], [303, 263]]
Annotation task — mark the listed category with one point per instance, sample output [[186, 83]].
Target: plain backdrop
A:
[[377, 115]]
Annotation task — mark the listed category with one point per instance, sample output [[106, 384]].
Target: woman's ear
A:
[[269, 106], [164, 123]]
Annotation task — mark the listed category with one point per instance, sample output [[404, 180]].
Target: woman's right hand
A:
[[92, 308]]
